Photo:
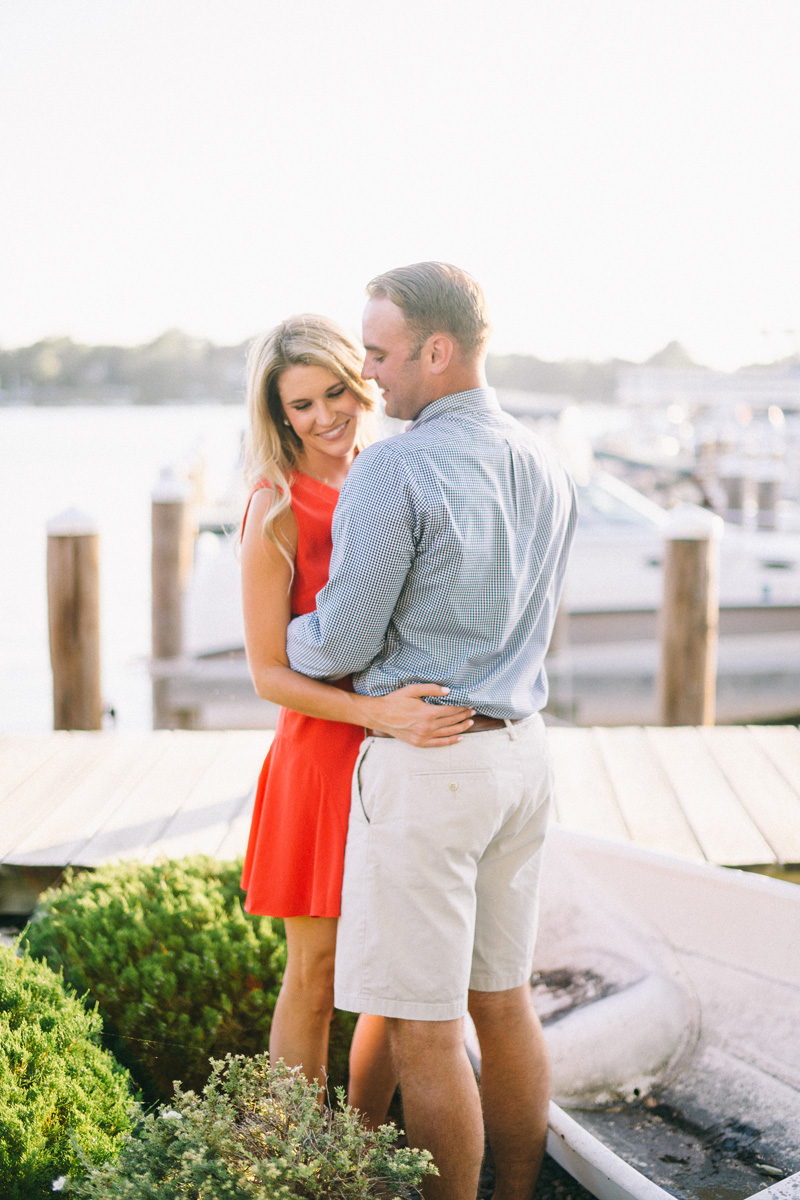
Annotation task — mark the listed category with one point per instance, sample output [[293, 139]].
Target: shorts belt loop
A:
[[512, 733]]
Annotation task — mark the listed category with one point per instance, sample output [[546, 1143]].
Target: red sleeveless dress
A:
[[295, 854]]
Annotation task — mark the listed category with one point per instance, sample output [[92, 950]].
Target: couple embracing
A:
[[399, 598]]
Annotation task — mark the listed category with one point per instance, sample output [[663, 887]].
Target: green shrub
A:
[[257, 1133], [180, 973], [58, 1088]]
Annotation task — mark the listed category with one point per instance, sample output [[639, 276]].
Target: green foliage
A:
[[58, 1088], [256, 1133], [180, 973]]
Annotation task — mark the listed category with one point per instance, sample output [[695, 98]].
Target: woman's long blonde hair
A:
[[271, 445]]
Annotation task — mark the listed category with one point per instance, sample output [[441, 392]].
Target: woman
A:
[[309, 412]]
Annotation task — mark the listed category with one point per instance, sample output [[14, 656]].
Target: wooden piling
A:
[[173, 532], [768, 493], [73, 604], [689, 619]]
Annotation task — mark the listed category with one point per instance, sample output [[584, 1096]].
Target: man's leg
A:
[[441, 1104], [515, 1086]]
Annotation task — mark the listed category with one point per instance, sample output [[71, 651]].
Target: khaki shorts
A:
[[441, 873]]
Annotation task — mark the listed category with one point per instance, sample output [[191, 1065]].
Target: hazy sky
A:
[[617, 173]]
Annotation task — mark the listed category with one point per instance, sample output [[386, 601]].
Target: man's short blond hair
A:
[[437, 297]]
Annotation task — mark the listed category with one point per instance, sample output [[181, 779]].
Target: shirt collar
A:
[[472, 401]]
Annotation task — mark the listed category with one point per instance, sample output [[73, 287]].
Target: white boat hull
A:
[[670, 997], [609, 1177]]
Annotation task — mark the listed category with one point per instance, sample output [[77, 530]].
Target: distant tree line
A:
[[578, 378], [177, 367], [174, 367]]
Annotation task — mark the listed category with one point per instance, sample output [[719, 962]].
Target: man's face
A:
[[389, 345]]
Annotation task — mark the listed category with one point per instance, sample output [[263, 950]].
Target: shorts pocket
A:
[[444, 785], [452, 818], [357, 779], [457, 803]]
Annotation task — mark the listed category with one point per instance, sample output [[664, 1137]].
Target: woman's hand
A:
[[406, 716]]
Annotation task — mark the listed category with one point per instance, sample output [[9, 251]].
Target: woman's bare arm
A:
[[266, 578]]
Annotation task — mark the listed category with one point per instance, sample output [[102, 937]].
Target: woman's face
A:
[[320, 409]]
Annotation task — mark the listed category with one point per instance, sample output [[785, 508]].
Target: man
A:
[[450, 543]]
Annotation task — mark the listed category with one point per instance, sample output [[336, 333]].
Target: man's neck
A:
[[465, 380]]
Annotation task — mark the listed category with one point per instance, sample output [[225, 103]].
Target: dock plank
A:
[[22, 755], [119, 762], [647, 800], [763, 790], [40, 792], [724, 830], [138, 822], [781, 744], [218, 796], [584, 798], [234, 842]]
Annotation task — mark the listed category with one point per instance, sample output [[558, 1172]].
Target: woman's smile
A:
[[331, 435]]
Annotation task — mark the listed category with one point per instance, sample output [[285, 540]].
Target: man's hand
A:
[[405, 715]]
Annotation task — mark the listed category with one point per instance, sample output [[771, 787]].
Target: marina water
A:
[[105, 462]]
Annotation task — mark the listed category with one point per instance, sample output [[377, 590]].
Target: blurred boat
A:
[[670, 998], [615, 565], [604, 660]]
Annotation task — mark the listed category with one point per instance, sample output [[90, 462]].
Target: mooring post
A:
[[73, 607], [768, 480], [173, 542], [690, 618]]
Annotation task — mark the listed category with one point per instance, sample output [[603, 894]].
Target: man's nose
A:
[[368, 370]]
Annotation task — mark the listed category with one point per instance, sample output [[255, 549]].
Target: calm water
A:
[[105, 462]]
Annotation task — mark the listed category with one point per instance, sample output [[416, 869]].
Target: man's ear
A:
[[439, 353]]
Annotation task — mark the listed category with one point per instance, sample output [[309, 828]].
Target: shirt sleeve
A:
[[373, 548]]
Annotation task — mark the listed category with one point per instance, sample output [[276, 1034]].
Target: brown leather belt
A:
[[480, 724]]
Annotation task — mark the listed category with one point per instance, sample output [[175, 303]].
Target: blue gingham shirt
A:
[[449, 548]]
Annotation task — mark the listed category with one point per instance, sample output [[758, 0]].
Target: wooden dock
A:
[[726, 794]]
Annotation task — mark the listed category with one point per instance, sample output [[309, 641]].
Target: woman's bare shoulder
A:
[[283, 527]]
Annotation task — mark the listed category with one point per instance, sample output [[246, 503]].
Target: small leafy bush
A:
[[180, 973], [256, 1133], [59, 1089], [177, 970]]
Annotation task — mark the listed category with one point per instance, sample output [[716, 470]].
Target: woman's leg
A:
[[372, 1075], [301, 1022]]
